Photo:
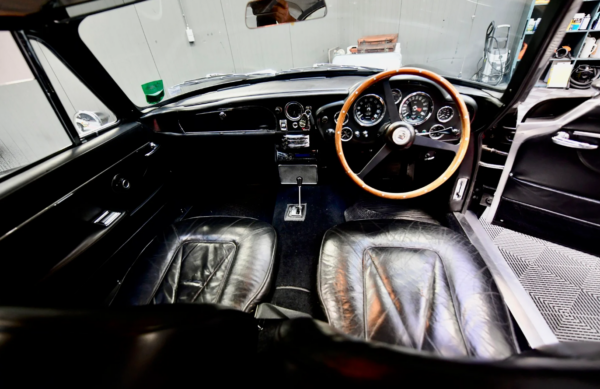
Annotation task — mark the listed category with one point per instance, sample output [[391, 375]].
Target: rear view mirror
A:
[[263, 13]]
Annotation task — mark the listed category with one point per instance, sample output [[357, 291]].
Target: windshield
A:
[[159, 49]]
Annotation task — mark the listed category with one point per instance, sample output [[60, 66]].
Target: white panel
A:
[[367, 17], [29, 128], [262, 48], [436, 33], [13, 67], [116, 38], [312, 39], [177, 59]]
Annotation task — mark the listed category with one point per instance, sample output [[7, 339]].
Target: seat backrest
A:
[[134, 347], [312, 350]]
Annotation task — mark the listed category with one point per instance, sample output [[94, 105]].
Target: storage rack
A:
[[573, 39]]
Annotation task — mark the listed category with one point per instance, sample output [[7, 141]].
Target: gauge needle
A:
[[434, 132]]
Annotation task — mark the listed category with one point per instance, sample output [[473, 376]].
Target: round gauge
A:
[[397, 95], [337, 115], [445, 114], [369, 110], [436, 132], [416, 108], [347, 134], [294, 110]]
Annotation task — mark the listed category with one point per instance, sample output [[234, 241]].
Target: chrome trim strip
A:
[[528, 317], [588, 134], [491, 166], [533, 128], [101, 217]]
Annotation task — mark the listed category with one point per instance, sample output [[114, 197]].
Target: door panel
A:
[[51, 221], [552, 191]]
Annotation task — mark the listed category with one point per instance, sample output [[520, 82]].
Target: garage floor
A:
[[563, 283]]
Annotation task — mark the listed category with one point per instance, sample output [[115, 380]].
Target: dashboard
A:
[[296, 119]]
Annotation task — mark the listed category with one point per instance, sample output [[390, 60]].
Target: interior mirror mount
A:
[[262, 13]]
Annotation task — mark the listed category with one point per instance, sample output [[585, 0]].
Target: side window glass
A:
[[29, 127], [88, 113]]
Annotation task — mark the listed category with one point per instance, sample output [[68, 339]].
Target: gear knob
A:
[[299, 181]]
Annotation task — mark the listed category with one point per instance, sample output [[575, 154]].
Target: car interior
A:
[[296, 230]]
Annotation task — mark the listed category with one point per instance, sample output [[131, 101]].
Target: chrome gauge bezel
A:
[[439, 135], [378, 120], [416, 94], [400, 92], [337, 115], [287, 115], [447, 120], [351, 134]]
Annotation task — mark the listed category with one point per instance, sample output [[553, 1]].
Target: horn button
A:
[[401, 134]]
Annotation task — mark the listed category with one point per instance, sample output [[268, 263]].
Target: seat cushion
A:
[[413, 284], [221, 260]]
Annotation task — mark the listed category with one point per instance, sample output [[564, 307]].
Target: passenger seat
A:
[[219, 260]]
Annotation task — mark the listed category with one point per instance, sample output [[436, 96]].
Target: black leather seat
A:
[[413, 284], [221, 260]]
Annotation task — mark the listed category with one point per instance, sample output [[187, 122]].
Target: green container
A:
[[154, 91]]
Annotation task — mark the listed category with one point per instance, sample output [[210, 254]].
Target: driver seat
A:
[[415, 285]]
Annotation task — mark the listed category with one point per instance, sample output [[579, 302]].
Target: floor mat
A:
[[387, 209], [563, 283], [255, 201], [299, 244]]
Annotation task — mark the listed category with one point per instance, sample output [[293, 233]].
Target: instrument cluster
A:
[[421, 106]]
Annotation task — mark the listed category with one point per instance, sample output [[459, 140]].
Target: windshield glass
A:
[[158, 49]]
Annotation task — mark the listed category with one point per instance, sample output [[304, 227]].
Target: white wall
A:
[[147, 41], [29, 128]]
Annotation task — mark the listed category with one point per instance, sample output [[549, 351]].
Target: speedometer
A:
[[369, 110], [416, 108]]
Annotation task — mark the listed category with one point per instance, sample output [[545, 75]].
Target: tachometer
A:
[[416, 108], [445, 114], [369, 110]]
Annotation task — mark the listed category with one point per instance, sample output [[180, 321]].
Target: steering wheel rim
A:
[[460, 150]]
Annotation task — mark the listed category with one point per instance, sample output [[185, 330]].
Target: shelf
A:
[[576, 31]]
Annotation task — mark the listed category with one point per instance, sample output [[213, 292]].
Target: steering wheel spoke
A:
[[425, 141], [376, 160], [389, 101]]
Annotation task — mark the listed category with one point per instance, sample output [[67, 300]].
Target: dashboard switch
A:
[[366, 133], [357, 134], [283, 125]]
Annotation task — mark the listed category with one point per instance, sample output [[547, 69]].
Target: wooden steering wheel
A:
[[401, 135]]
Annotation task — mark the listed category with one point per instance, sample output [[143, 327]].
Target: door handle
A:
[[153, 148], [562, 139]]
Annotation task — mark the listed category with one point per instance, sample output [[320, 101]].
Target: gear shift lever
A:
[[299, 182], [296, 212]]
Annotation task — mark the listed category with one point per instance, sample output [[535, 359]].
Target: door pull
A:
[[562, 139]]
